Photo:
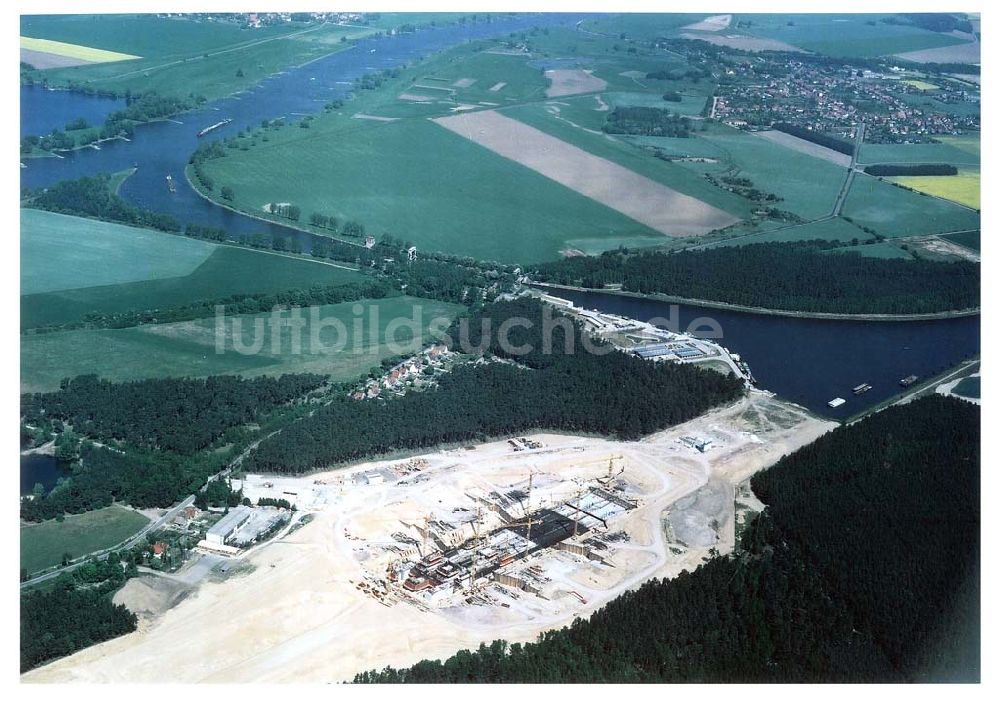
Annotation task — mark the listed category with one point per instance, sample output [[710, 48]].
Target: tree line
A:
[[644, 120], [803, 276], [567, 389], [934, 170], [183, 415], [863, 568], [845, 147], [232, 305], [75, 614]]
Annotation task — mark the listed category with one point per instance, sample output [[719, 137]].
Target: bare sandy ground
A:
[[568, 82], [296, 616], [744, 42], [806, 147], [958, 53], [714, 23], [368, 116], [651, 203], [45, 60]]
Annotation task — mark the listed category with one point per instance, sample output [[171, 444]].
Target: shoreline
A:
[[753, 310]]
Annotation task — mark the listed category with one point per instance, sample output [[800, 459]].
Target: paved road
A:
[[859, 138]]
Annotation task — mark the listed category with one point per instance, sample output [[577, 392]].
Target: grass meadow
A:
[[43, 544], [189, 348], [420, 182], [72, 266], [182, 56], [893, 211]]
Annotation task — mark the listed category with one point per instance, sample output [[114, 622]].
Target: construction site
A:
[[393, 561]]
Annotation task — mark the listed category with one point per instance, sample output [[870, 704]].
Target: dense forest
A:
[[75, 614], [141, 478], [803, 276], [930, 170], [863, 568], [92, 196], [568, 389], [839, 144], [643, 120], [182, 415], [232, 304]]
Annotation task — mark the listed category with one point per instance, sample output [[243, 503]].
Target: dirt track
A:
[[651, 203]]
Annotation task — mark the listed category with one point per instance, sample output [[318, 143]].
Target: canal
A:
[[812, 361]]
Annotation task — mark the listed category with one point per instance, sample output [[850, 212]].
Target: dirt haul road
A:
[[298, 616]]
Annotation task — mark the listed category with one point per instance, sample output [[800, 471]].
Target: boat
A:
[[836, 402], [170, 184], [908, 381], [861, 388], [209, 129]]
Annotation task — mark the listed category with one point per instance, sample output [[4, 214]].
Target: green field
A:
[[624, 152], [61, 252], [689, 105], [178, 270], [190, 348], [893, 211], [970, 387], [969, 239], [848, 35], [422, 183], [952, 149], [43, 544], [184, 56]]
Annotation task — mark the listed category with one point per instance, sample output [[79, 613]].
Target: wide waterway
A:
[[812, 361], [163, 148], [806, 361]]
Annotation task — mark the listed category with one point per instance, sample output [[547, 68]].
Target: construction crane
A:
[[476, 526], [427, 532]]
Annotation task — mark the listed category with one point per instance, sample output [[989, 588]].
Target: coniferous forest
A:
[[804, 276], [567, 389], [863, 568]]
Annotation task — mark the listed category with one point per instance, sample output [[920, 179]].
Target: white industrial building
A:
[[228, 526]]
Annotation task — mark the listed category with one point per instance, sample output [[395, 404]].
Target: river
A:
[[812, 361], [162, 148], [806, 361]]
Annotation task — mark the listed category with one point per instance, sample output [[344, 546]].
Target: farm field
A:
[[43, 544], [856, 35], [622, 150], [666, 210], [807, 185], [689, 105], [57, 289], [58, 52], [190, 348], [183, 56], [447, 195], [893, 211], [962, 188], [969, 239], [955, 150], [62, 252]]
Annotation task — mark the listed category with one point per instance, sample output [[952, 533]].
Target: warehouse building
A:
[[228, 526]]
